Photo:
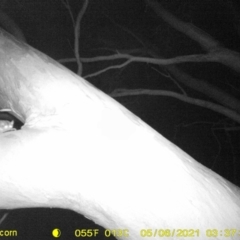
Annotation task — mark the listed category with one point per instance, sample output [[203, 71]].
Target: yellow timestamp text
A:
[[169, 232], [85, 233], [223, 233], [116, 233]]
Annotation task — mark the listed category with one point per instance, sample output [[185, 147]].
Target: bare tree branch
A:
[[196, 84], [205, 40], [206, 104], [3, 218], [108, 68], [67, 6], [77, 36], [216, 53]]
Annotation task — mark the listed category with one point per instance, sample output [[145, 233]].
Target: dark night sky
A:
[[110, 26]]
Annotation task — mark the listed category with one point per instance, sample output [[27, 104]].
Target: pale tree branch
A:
[[3, 217], [215, 52], [76, 26], [108, 68], [198, 102], [172, 79], [158, 61], [196, 84], [77, 36], [67, 6], [198, 35]]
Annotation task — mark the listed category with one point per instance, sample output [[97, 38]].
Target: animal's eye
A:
[[6, 126]]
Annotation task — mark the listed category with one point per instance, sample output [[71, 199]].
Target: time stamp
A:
[[145, 233]]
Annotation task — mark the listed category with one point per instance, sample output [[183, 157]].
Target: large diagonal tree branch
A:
[[77, 144]]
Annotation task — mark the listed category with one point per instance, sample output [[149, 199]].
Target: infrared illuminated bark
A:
[[81, 150]]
